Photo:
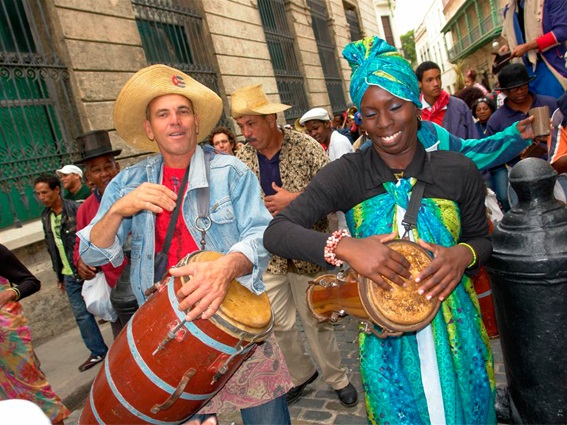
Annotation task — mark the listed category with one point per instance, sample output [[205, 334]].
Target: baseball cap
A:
[[70, 169]]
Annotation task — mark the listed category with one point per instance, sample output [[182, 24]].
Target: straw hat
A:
[[252, 100], [154, 81]]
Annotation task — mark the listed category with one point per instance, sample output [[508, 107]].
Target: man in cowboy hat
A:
[[284, 162], [161, 109], [97, 156], [71, 177]]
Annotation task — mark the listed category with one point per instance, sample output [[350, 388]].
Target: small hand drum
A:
[[331, 297]]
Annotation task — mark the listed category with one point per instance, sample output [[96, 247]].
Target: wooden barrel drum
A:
[[162, 370]]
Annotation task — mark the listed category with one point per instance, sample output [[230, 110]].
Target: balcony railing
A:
[[489, 28]]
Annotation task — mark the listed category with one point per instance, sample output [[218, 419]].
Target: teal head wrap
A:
[[375, 62]]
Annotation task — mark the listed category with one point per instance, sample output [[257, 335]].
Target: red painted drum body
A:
[[161, 370], [483, 289]]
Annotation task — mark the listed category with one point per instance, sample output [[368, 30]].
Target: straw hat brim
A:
[[252, 100], [154, 81]]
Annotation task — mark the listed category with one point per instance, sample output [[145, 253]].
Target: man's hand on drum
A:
[[374, 260], [208, 284], [445, 271]]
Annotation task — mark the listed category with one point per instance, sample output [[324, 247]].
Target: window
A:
[[388, 30], [327, 54], [289, 79]]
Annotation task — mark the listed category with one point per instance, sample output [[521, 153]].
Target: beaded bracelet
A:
[[473, 262], [331, 245], [17, 292]]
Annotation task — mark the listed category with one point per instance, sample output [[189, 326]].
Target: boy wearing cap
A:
[[319, 126], [285, 161], [74, 189], [163, 110]]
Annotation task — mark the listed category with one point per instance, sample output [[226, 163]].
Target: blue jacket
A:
[[237, 212], [458, 119]]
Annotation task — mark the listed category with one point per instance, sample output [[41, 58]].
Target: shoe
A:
[[294, 394], [91, 361], [348, 395]]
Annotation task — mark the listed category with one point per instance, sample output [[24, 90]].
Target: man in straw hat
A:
[[285, 161], [161, 109]]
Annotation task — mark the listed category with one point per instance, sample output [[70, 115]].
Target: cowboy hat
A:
[[513, 75], [94, 144], [252, 100], [154, 81]]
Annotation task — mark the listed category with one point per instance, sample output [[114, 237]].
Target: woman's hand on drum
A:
[[208, 284], [445, 271], [374, 260]]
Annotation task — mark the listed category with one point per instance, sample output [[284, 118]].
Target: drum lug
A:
[[336, 315], [175, 395], [219, 365], [368, 328], [326, 281]]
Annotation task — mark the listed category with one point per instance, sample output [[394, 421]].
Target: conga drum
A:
[[161, 369], [331, 297], [483, 289]]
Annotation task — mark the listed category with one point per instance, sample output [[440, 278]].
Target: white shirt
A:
[[338, 146]]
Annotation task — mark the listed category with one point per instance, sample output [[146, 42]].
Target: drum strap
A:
[[202, 222], [410, 217], [160, 260]]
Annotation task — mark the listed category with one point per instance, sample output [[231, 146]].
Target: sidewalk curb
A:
[[76, 399]]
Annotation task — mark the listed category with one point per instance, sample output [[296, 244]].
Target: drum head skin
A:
[[241, 308], [401, 309]]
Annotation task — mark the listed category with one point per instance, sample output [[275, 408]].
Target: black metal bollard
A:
[[528, 270]]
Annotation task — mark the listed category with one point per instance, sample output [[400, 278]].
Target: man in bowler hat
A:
[[98, 159], [513, 81]]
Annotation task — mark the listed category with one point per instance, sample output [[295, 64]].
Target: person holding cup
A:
[[513, 80]]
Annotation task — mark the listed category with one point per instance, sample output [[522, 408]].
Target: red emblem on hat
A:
[[178, 81]]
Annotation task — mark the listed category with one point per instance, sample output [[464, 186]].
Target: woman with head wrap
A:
[[444, 372]]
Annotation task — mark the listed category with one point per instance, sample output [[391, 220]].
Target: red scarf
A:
[[436, 112]]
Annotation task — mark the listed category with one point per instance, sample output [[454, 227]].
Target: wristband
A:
[[331, 245], [473, 262]]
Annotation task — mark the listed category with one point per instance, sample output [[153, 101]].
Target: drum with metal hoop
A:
[[161, 369], [331, 297]]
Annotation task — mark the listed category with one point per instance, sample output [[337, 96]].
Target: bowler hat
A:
[[159, 80], [94, 144], [513, 75], [252, 100]]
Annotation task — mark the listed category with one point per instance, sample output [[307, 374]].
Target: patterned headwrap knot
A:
[[375, 62]]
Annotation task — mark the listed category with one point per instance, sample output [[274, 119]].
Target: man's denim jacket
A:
[[237, 212]]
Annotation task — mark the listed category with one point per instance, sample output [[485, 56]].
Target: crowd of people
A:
[[287, 204]]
